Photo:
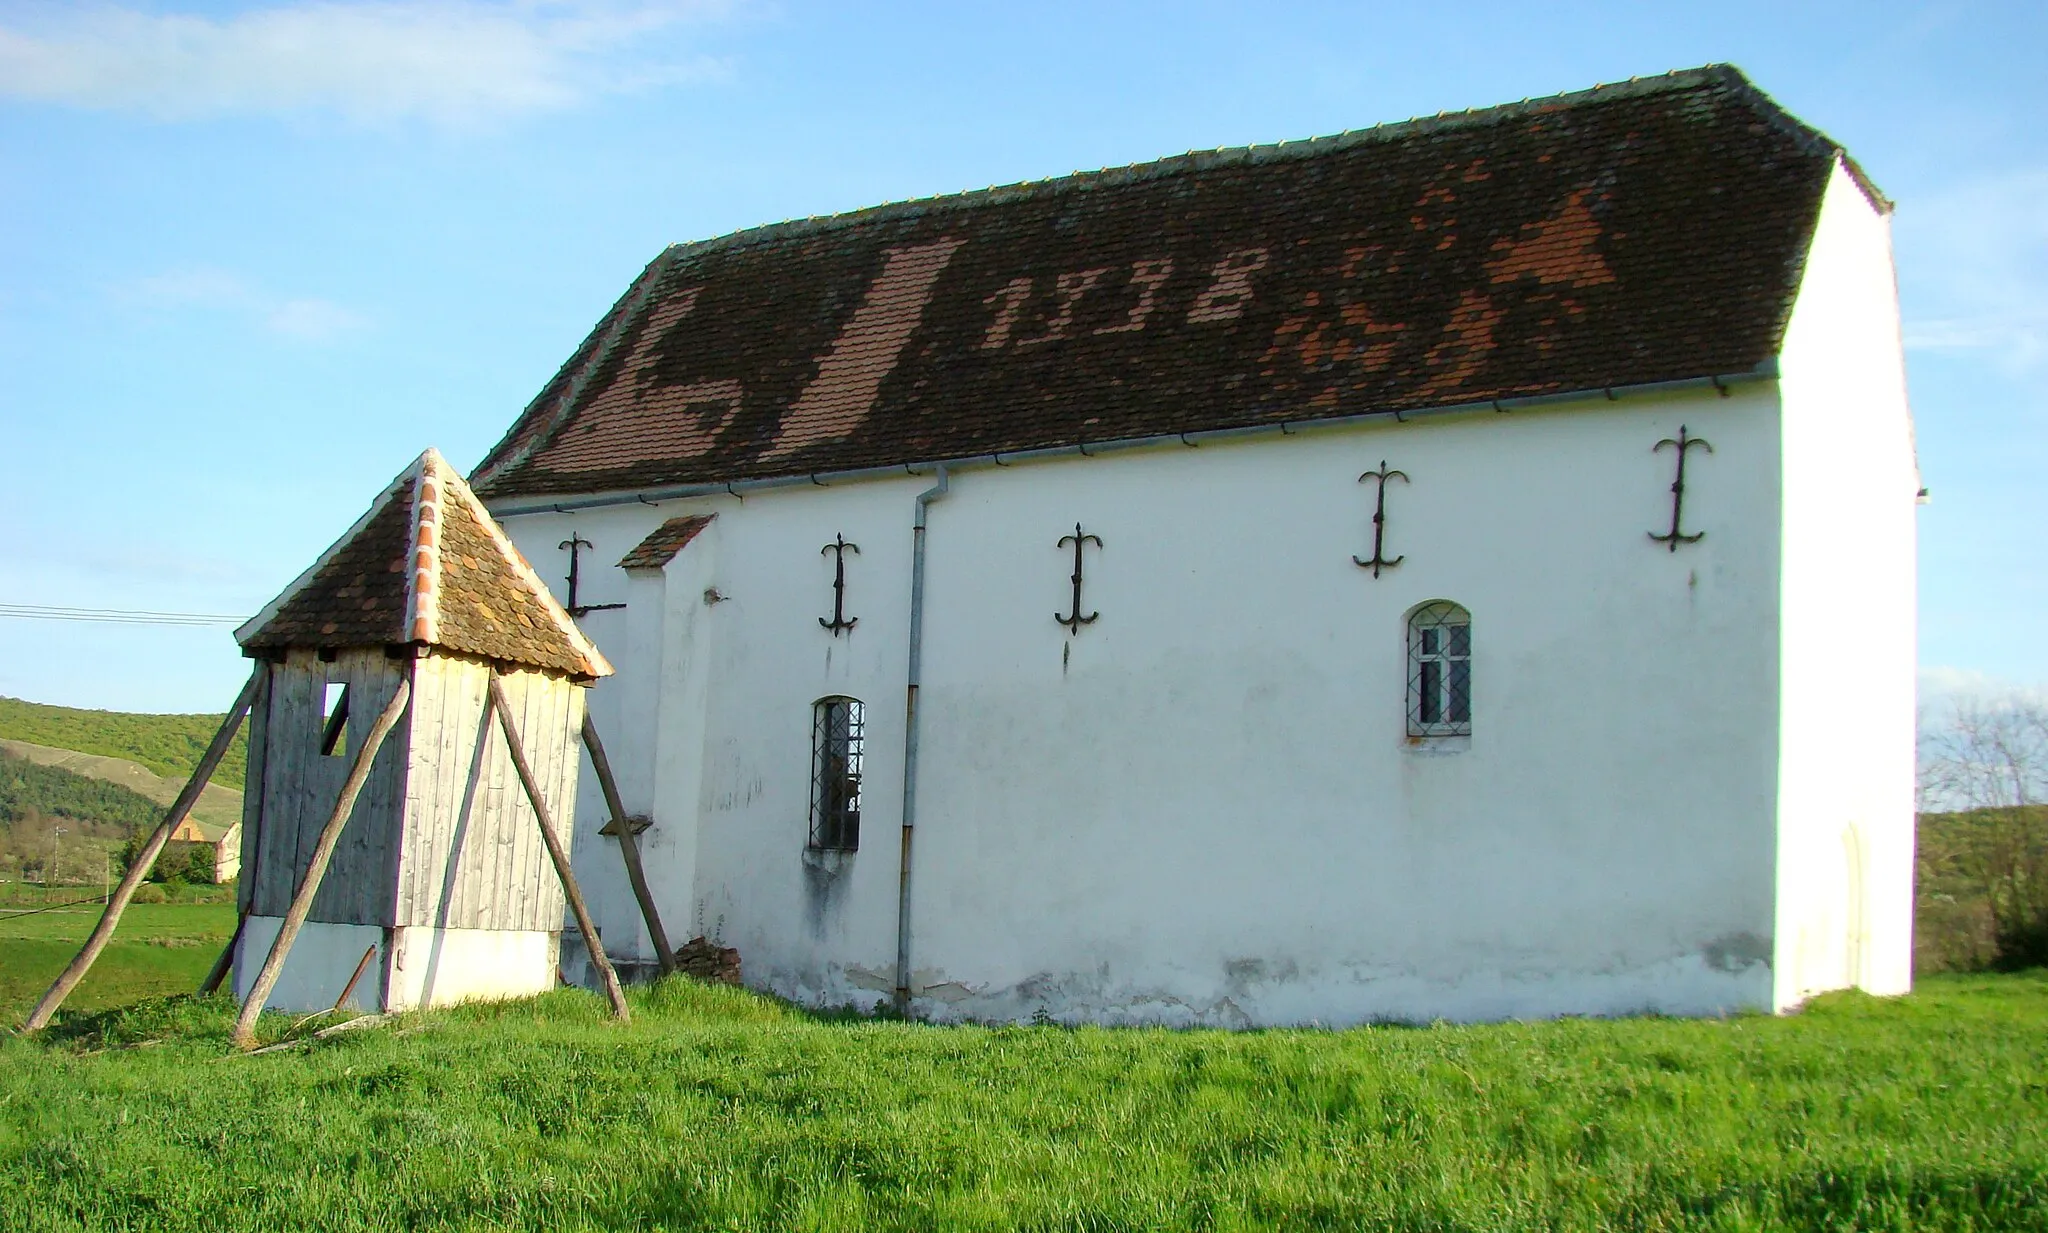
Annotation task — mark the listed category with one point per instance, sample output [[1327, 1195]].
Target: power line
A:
[[117, 616]]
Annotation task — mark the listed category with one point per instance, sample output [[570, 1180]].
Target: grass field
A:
[[718, 1109], [161, 949]]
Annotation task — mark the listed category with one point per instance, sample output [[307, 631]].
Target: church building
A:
[[1457, 569]]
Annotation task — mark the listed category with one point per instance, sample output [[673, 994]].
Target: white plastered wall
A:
[[436, 967], [1845, 797], [650, 714], [322, 958], [720, 657], [1204, 808], [409, 967]]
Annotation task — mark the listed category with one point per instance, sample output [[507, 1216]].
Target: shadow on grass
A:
[[685, 1002], [187, 1017]]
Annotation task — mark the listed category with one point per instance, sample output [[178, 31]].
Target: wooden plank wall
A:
[[300, 786], [473, 856], [252, 792]]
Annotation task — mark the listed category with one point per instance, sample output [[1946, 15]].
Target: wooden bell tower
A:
[[413, 738]]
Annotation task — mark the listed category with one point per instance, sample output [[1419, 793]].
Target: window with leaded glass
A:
[[835, 774], [1440, 670]]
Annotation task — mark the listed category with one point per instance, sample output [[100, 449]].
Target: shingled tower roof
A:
[[427, 565], [1627, 235]]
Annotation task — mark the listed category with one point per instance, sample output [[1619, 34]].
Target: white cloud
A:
[[1973, 269], [1942, 688], [452, 61], [312, 320], [306, 318], [196, 286]]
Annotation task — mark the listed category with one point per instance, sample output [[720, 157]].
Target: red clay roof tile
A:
[[1626, 235], [427, 565]]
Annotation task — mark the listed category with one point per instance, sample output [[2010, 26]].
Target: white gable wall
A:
[[709, 722], [1845, 873], [1204, 807]]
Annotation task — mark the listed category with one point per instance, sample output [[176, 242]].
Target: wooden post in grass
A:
[[629, 846], [612, 991], [219, 971], [117, 903], [323, 851]]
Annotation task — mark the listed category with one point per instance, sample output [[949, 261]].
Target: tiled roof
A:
[[427, 565], [662, 545], [1630, 234]]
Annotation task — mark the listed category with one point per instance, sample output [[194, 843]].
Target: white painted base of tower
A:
[[413, 966]]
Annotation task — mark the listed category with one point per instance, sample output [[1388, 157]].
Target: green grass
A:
[[170, 745], [161, 949], [719, 1109]]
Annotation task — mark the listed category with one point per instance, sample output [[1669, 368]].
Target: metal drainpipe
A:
[[915, 674]]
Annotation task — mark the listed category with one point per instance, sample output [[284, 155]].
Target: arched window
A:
[[835, 774], [1440, 670]]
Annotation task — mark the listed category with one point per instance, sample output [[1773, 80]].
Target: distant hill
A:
[[169, 745], [218, 806], [29, 788]]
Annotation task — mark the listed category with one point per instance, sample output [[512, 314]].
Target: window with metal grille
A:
[[835, 774], [1440, 670]]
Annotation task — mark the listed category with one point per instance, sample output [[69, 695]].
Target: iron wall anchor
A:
[[576, 544], [1074, 620], [1682, 443], [839, 547], [1379, 559]]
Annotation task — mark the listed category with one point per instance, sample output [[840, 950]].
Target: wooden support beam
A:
[[117, 903], [556, 853], [316, 868], [219, 971], [629, 846]]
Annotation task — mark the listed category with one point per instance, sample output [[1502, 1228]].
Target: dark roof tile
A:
[[1626, 235], [427, 565], [661, 546]]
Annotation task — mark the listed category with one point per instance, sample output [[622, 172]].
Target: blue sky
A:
[[255, 257]]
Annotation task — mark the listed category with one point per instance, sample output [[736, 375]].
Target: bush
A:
[[147, 893]]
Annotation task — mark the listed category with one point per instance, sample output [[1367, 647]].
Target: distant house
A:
[[214, 821], [225, 841], [1463, 568]]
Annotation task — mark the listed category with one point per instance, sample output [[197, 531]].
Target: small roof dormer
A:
[[426, 566]]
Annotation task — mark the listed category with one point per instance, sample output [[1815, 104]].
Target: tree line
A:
[[59, 826], [1982, 867]]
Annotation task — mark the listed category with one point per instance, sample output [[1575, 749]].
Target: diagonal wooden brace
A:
[[316, 868], [629, 847], [117, 903], [556, 853]]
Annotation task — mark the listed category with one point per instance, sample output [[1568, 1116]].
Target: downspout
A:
[[913, 677]]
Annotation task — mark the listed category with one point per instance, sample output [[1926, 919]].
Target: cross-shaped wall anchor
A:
[[576, 544], [1380, 560], [1074, 620], [840, 546], [1683, 443]]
